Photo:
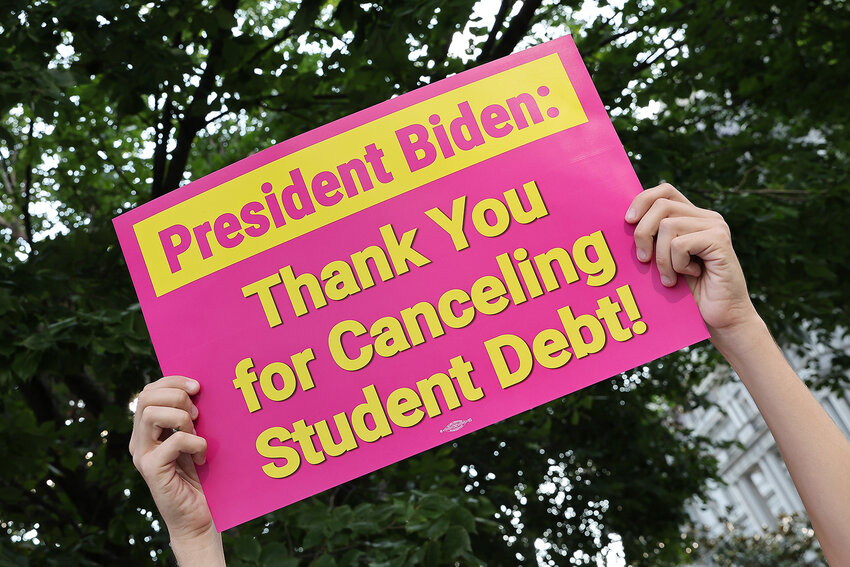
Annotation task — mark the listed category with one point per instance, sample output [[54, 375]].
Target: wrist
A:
[[742, 339], [204, 549]]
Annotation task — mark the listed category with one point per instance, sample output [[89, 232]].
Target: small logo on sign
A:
[[455, 425]]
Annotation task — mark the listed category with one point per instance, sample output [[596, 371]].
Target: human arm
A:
[[695, 243], [165, 450]]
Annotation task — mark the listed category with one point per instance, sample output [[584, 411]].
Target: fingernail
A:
[[194, 411], [642, 255], [192, 385], [667, 280], [631, 215]]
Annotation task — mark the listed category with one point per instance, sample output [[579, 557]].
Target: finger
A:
[[663, 257], [164, 455], [153, 394], [182, 382], [644, 201], [672, 260], [167, 397], [156, 419], [188, 385], [685, 252], [647, 227], [707, 244]]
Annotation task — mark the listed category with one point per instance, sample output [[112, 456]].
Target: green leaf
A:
[[437, 528], [25, 364], [247, 548], [314, 537], [456, 542], [324, 561], [62, 78], [432, 554]]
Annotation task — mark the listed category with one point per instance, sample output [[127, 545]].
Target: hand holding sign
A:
[[682, 233], [165, 450]]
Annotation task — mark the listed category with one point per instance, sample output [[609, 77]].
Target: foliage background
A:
[[106, 104], [791, 543]]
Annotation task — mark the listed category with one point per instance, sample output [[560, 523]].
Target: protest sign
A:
[[400, 277]]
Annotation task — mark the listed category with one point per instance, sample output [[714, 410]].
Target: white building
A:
[[758, 488]]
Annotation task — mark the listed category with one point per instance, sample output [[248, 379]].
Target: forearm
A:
[[815, 451]]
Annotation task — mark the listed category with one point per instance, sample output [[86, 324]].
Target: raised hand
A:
[[165, 450], [695, 243]]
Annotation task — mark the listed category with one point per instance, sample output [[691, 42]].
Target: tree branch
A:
[[15, 226], [9, 186], [25, 207], [9, 181], [187, 129], [325, 31], [497, 27], [216, 116], [285, 34], [115, 165], [647, 63], [194, 116], [668, 16], [160, 154], [517, 28]]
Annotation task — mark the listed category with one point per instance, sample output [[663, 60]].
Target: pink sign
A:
[[400, 277]]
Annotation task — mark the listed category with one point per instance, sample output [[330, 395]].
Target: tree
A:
[[791, 543], [107, 105]]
